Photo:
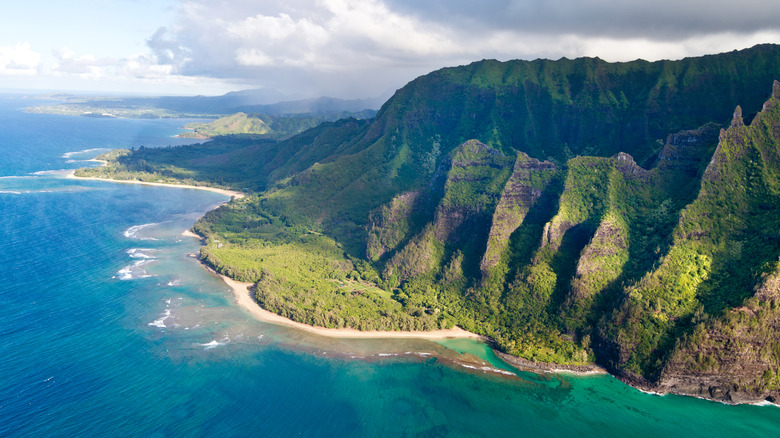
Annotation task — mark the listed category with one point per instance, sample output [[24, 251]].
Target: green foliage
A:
[[261, 125], [238, 123], [429, 215]]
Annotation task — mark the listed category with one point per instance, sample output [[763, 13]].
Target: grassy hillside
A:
[[260, 125]]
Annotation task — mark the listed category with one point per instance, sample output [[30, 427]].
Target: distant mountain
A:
[[575, 211], [265, 125], [320, 105], [262, 101]]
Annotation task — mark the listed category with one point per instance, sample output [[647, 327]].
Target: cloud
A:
[[362, 47], [19, 60], [68, 63], [650, 19], [166, 50]]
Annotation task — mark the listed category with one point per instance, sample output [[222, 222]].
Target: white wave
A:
[[160, 322], [52, 172], [26, 192], [766, 403], [173, 283], [487, 369], [647, 391], [496, 370], [132, 232], [214, 343], [387, 354], [135, 271], [141, 253], [70, 154]]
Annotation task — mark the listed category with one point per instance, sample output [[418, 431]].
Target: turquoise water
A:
[[110, 328]]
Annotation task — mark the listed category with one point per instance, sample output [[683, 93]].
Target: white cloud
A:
[[614, 49], [363, 47], [19, 60], [359, 48], [68, 63]]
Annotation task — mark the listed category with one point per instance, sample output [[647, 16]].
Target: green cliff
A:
[[575, 211]]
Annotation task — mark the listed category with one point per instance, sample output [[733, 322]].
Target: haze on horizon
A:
[[342, 48]]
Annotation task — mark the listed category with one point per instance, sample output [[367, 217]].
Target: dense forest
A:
[[574, 211]]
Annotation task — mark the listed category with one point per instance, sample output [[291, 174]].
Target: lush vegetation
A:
[[505, 198], [261, 125]]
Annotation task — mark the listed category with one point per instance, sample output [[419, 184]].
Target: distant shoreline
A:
[[226, 192]]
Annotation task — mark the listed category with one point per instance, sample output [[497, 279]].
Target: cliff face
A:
[[389, 225], [475, 177], [734, 360], [530, 177], [736, 356], [601, 261]]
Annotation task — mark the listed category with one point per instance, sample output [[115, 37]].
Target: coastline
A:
[[544, 367], [231, 193], [243, 297]]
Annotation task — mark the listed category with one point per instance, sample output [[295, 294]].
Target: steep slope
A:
[[474, 181], [735, 357], [547, 109], [725, 240], [525, 187]]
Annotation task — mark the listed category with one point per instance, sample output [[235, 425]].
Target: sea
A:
[[110, 327]]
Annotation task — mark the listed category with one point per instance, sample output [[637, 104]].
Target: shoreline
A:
[[226, 192], [243, 297], [544, 367]]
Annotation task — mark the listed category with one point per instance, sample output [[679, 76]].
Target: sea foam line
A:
[[160, 322], [70, 154], [141, 253], [214, 343], [134, 271], [132, 232], [488, 369]]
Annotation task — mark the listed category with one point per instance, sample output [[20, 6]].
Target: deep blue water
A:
[[109, 328]]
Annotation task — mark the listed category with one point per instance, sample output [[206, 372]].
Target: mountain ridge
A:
[[535, 202]]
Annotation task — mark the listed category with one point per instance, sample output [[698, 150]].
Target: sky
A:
[[343, 48]]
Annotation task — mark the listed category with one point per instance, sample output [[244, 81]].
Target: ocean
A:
[[109, 327]]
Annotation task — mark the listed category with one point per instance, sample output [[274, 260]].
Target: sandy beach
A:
[[189, 233], [244, 299], [226, 192]]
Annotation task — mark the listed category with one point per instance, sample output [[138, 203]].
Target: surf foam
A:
[[67, 155], [132, 232]]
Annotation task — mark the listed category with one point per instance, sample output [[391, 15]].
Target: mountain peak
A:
[[736, 120]]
